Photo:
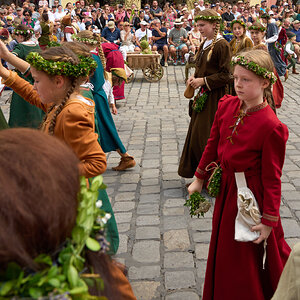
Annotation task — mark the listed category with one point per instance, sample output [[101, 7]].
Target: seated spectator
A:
[[28, 21], [296, 30], [194, 37], [186, 25], [177, 40], [160, 40], [127, 40], [111, 34], [9, 24], [59, 14], [228, 16], [143, 34]]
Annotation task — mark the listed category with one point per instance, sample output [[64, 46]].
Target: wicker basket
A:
[[138, 61]]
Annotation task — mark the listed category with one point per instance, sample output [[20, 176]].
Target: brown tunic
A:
[[216, 74], [237, 46]]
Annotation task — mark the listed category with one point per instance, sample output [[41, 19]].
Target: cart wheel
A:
[[130, 78], [153, 73]]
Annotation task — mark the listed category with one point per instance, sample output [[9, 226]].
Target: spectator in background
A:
[[59, 14], [57, 31], [111, 34], [170, 15], [28, 21], [235, 12], [2, 17], [263, 4], [228, 16], [296, 30], [160, 41], [9, 24], [147, 13], [156, 11], [143, 34]]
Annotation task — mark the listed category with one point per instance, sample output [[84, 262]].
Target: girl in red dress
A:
[[246, 136]]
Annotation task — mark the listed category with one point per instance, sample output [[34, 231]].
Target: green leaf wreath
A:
[[64, 276]]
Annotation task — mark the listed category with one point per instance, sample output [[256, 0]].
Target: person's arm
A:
[[289, 50], [274, 36]]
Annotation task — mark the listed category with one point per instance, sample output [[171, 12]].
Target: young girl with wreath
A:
[[211, 77], [58, 73], [240, 41], [109, 137], [21, 113], [247, 137]]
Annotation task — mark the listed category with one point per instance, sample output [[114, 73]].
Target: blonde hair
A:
[[263, 59], [207, 13], [87, 34], [65, 55]]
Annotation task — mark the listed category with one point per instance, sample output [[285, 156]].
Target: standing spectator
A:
[[60, 13], [170, 15], [121, 15], [177, 40], [143, 34], [160, 41], [156, 11], [228, 16], [111, 34]]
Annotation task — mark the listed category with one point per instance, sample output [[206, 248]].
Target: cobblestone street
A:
[[164, 249]]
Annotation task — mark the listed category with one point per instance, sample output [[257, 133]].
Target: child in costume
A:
[[21, 113], [246, 137], [109, 138], [271, 39], [58, 73], [240, 41], [211, 76], [289, 52]]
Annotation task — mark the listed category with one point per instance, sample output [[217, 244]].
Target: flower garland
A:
[[84, 40], [254, 67], [197, 205], [208, 18], [200, 100], [23, 32], [239, 22], [258, 28], [66, 277], [83, 68]]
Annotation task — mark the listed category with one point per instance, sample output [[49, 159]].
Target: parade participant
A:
[[211, 76], [45, 28], [67, 28], [41, 221], [240, 41], [109, 138], [246, 137], [271, 38], [21, 113], [289, 52]]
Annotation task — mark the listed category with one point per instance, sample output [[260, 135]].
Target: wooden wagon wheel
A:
[[130, 78], [153, 73]]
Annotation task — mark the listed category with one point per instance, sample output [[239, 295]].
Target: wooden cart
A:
[[148, 63]]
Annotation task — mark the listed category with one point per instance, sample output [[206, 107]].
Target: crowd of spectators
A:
[[170, 29]]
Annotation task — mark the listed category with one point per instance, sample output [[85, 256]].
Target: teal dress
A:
[[22, 113], [3, 123], [112, 228], [109, 137]]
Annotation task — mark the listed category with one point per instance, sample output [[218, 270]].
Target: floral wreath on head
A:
[[23, 32], [258, 28], [254, 67], [64, 275], [241, 22], [208, 18], [84, 40], [83, 68]]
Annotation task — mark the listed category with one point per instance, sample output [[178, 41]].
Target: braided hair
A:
[[65, 55], [87, 34]]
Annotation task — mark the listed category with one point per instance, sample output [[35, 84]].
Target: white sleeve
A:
[[37, 27], [109, 92], [69, 37], [272, 39], [289, 50]]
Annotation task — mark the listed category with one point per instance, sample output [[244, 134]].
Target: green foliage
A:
[[197, 205], [199, 101], [63, 277], [214, 184]]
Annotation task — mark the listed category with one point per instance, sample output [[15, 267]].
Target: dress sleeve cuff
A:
[[201, 174], [10, 79], [269, 220], [206, 83]]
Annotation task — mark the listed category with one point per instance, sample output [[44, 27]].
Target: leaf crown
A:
[[254, 67], [258, 28], [83, 68], [208, 18], [241, 22], [65, 277], [23, 32], [84, 40]]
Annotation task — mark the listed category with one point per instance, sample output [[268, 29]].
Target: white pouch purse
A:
[[248, 214]]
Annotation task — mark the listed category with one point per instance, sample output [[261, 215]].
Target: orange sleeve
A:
[[77, 130], [24, 89], [123, 284]]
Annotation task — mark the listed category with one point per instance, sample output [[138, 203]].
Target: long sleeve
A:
[[25, 90], [77, 131], [222, 54], [289, 50], [272, 162]]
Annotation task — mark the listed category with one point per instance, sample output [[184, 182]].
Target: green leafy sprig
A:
[[199, 101], [214, 183], [65, 278], [197, 205]]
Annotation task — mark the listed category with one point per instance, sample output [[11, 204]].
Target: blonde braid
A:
[[214, 41], [101, 55], [61, 106], [269, 96]]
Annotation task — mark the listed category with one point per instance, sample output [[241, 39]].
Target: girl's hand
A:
[[196, 82], [264, 232], [195, 186], [4, 73], [114, 109], [3, 50]]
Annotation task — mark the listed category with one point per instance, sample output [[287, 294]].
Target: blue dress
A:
[[109, 138]]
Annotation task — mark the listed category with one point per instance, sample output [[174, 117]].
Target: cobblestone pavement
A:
[[164, 249]]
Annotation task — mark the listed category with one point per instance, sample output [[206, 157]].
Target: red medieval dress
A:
[[114, 59], [282, 39], [257, 148]]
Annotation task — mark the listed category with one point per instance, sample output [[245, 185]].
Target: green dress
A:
[[3, 123], [22, 113]]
